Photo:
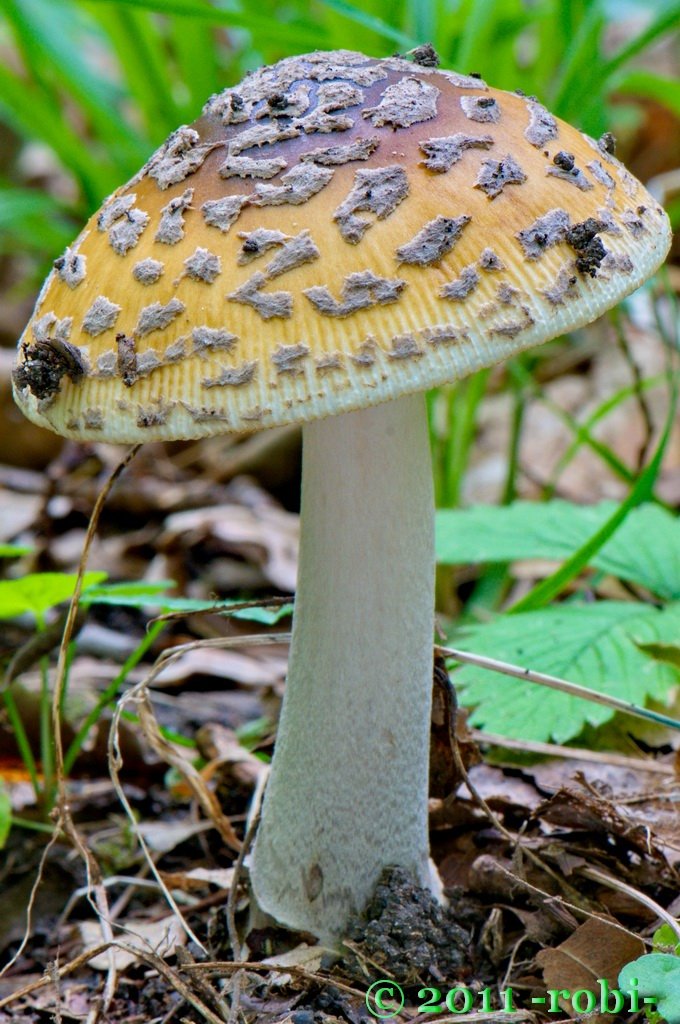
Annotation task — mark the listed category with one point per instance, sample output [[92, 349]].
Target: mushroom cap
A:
[[332, 233]]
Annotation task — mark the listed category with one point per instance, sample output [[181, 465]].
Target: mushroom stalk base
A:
[[347, 794]]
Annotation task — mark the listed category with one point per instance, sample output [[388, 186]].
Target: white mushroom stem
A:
[[347, 795]]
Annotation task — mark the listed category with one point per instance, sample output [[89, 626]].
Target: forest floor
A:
[[129, 903]]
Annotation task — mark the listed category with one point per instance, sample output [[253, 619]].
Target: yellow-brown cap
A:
[[332, 233]]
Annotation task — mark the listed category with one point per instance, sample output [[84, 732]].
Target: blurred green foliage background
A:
[[100, 83], [89, 88]]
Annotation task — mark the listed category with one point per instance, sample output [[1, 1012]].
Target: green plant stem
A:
[[34, 826], [46, 736], [168, 734], [518, 408], [22, 742], [582, 431], [462, 402]]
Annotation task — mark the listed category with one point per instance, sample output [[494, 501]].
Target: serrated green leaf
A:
[[645, 549], [596, 645], [668, 653], [37, 592]]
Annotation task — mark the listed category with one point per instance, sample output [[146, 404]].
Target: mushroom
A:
[[331, 238]]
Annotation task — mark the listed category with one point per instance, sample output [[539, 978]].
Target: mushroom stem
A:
[[347, 794]]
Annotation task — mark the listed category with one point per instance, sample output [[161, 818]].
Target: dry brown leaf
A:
[[163, 836], [199, 879], [503, 790], [595, 950], [251, 666], [75, 1001], [19, 512], [268, 535], [159, 937], [586, 810], [176, 757], [307, 957]]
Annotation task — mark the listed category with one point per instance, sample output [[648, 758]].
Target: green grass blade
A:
[[134, 39], [25, 109], [665, 91], [22, 741], [553, 585], [422, 20], [293, 33], [196, 55], [583, 435], [477, 33], [583, 53], [110, 694], [371, 23], [667, 21], [585, 89], [5, 814], [50, 38]]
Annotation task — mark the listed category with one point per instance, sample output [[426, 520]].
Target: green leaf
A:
[[37, 592], [595, 645], [5, 815], [666, 940], [144, 595], [128, 594], [13, 550], [645, 549], [657, 977], [264, 615]]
